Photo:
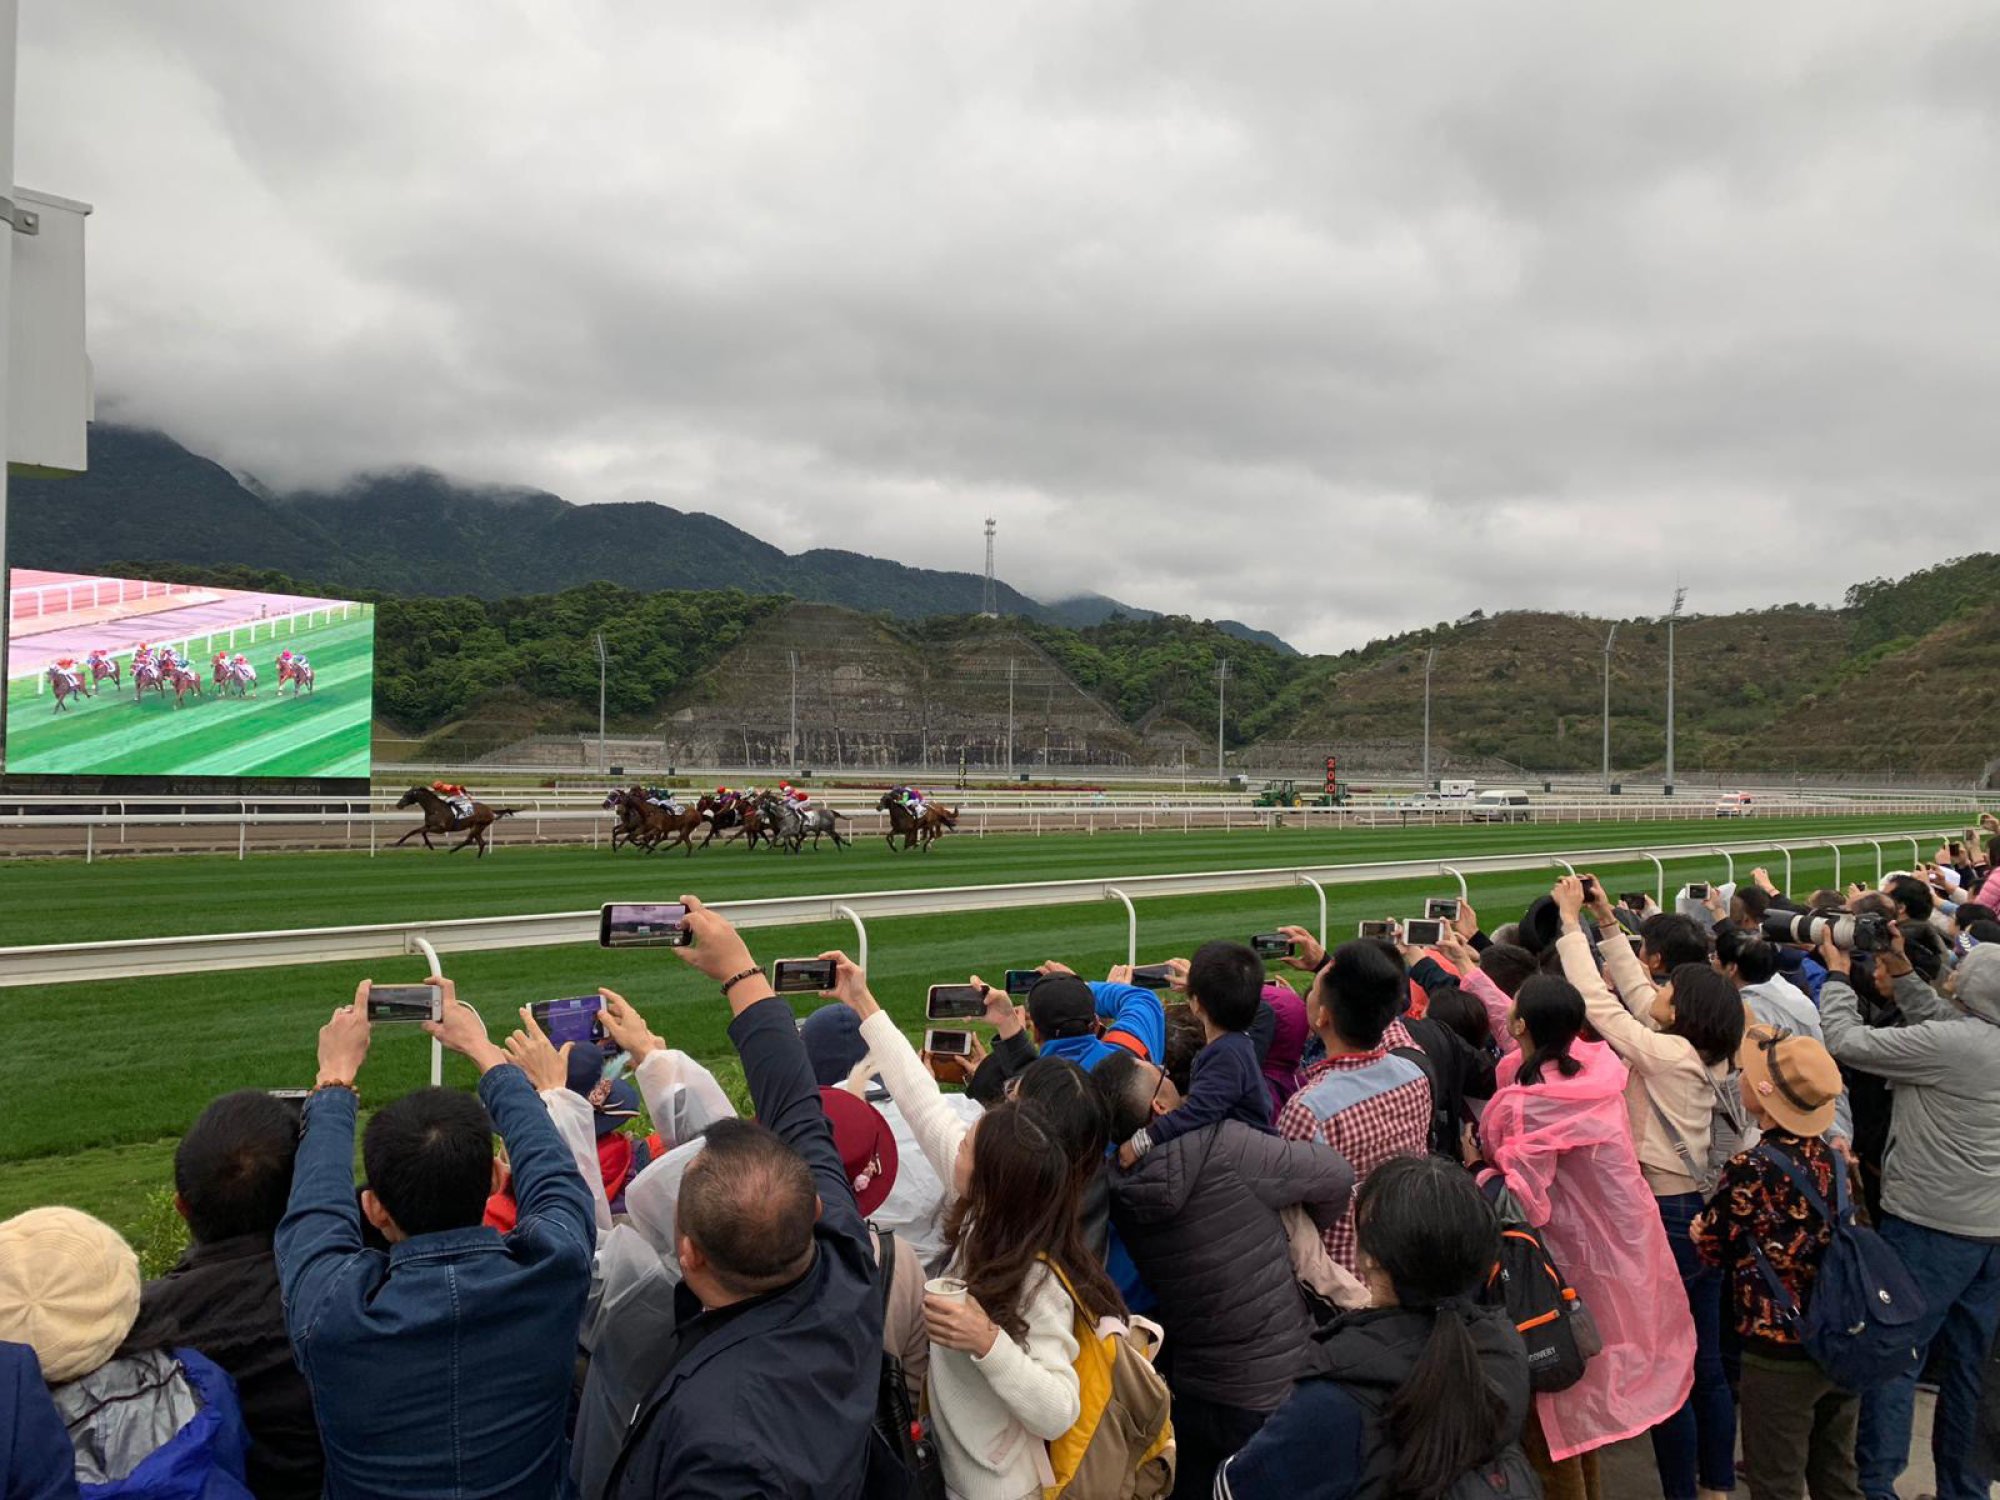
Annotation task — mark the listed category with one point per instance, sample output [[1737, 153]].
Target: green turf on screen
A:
[[321, 733]]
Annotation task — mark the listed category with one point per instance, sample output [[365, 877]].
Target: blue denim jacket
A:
[[443, 1368]]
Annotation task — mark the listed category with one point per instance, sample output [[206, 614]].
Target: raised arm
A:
[[1643, 1049], [1131, 1011], [1280, 1173], [1902, 1054], [321, 1229], [681, 1095]]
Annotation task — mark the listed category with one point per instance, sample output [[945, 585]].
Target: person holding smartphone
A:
[[1002, 1380]]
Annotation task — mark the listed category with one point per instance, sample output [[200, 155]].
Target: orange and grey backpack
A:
[[1122, 1444]]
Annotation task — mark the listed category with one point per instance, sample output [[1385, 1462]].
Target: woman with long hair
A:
[[1556, 1135], [1678, 1041], [1421, 1388], [1002, 1381]]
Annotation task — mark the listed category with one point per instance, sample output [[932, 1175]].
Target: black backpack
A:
[[1857, 1328], [1443, 1069], [903, 1461], [1560, 1335]]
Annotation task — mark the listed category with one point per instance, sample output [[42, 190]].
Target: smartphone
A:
[[1697, 891], [1273, 945], [1423, 932], [802, 976], [954, 1002], [942, 1042], [1444, 908], [654, 925], [1633, 901], [290, 1096], [1153, 977], [1384, 929], [1020, 981], [579, 1019], [1589, 888], [404, 1004], [1971, 838]]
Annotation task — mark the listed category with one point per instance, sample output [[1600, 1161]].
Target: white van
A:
[[1501, 805], [1733, 805], [1457, 789]]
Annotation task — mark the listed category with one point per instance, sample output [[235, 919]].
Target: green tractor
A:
[[1279, 794]]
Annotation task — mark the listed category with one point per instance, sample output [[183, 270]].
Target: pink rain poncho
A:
[[1564, 1146]]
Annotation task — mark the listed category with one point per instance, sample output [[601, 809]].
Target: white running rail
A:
[[129, 958]]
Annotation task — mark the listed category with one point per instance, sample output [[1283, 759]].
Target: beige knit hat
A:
[[69, 1289]]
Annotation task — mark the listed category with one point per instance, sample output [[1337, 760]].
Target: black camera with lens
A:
[[1851, 934]]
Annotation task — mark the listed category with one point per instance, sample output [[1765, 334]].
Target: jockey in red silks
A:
[[284, 660], [143, 657], [67, 666], [799, 797]]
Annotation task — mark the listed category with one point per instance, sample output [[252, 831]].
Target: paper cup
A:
[[949, 1287]]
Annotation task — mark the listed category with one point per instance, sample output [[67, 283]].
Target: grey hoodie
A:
[[1942, 1166]]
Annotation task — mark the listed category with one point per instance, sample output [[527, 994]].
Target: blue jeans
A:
[[1960, 1280], [1695, 1448]]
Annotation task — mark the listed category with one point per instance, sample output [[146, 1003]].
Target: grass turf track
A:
[[323, 733], [99, 1079]]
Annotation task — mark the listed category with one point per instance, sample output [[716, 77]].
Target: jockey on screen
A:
[[66, 665]]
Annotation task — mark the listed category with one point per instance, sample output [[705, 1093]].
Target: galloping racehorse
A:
[[298, 674], [648, 825], [916, 832], [824, 820], [440, 819], [102, 667], [185, 680], [147, 674], [64, 685]]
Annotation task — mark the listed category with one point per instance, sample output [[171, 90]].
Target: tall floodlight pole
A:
[[989, 598], [1680, 594], [794, 750], [603, 760], [1430, 660], [1010, 716], [1221, 689], [1608, 639]]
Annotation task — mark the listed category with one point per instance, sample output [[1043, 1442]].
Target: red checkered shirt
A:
[[1368, 1107]]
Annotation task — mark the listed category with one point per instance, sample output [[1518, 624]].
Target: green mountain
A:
[[147, 499]]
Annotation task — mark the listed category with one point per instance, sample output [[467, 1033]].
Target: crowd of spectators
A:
[[1216, 1238]]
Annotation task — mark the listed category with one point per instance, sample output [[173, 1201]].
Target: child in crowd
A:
[[1225, 985]]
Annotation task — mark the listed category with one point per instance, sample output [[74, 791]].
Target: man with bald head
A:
[[769, 1386]]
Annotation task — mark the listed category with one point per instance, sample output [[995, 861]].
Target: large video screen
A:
[[118, 677]]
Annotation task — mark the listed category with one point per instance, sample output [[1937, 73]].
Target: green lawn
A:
[[321, 733], [98, 1079], [63, 900]]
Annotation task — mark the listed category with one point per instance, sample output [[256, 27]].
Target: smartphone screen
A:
[[578, 1019], [940, 1042], [954, 1002], [1020, 981], [1153, 977], [802, 976], [1377, 929], [1423, 932], [1272, 945], [1697, 891], [657, 925], [404, 1004], [1444, 908], [1633, 900]]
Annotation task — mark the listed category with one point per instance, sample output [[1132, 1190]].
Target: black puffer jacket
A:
[[1200, 1216]]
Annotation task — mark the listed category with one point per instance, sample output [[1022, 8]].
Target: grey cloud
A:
[[1337, 318]]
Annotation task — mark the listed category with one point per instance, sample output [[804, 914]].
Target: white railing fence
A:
[[268, 629], [128, 958]]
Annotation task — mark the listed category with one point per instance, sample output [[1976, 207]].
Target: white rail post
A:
[[1463, 893], [1557, 859], [1319, 891], [242, 835], [423, 946], [841, 909], [1836, 864], [89, 842], [1659, 879], [1786, 850], [1880, 868], [1131, 924], [1916, 854], [1729, 860]]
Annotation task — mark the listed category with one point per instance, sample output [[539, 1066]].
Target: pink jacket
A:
[[1565, 1149]]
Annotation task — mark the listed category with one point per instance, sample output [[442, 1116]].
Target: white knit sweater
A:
[[992, 1416]]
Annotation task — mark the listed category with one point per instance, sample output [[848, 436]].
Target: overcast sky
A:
[[1338, 318]]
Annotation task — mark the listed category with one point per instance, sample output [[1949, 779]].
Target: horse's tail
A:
[[840, 815]]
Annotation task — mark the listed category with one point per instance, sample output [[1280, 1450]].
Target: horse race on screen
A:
[[119, 677]]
